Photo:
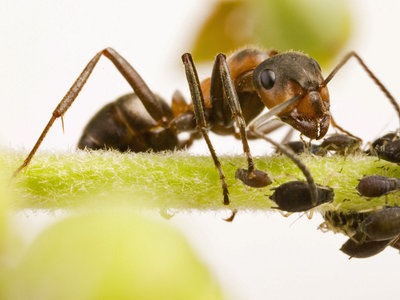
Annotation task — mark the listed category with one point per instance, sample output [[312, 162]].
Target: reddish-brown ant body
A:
[[290, 84]]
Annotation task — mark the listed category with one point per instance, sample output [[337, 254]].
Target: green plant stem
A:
[[178, 180]]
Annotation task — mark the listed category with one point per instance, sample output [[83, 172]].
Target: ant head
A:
[[289, 74]]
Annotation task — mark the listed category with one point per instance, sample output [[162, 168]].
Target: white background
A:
[[44, 46]]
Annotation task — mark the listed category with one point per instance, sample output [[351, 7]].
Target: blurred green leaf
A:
[[319, 28], [109, 254]]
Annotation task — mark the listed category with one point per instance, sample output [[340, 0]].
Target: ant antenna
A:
[[369, 72]]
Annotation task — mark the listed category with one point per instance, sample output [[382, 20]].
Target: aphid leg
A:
[[223, 93], [369, 72], [141, 89], [284, 214], [199, 111], [307, 144], [309, 214]]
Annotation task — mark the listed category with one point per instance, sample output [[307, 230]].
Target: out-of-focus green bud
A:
[[319, 28], [111, 254]]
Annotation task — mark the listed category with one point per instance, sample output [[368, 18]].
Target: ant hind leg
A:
[[151, 103]]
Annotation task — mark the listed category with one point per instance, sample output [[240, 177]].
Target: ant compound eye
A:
[[267, 78]]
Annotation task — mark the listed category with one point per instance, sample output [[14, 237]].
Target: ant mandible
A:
[[290, 84]]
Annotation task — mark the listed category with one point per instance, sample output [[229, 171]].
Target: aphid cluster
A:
[[372, 231], [369, 232], [231, 102], [339, 143]]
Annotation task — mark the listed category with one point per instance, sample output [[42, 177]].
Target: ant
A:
[[230, 102]]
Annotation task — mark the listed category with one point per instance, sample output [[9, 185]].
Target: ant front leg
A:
[[150, 102], [224, 96], [199, 111]]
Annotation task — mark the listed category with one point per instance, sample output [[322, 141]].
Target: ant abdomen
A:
[[125, 124]]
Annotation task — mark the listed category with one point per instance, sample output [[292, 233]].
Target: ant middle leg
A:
[[224, 98], [201, 121]]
